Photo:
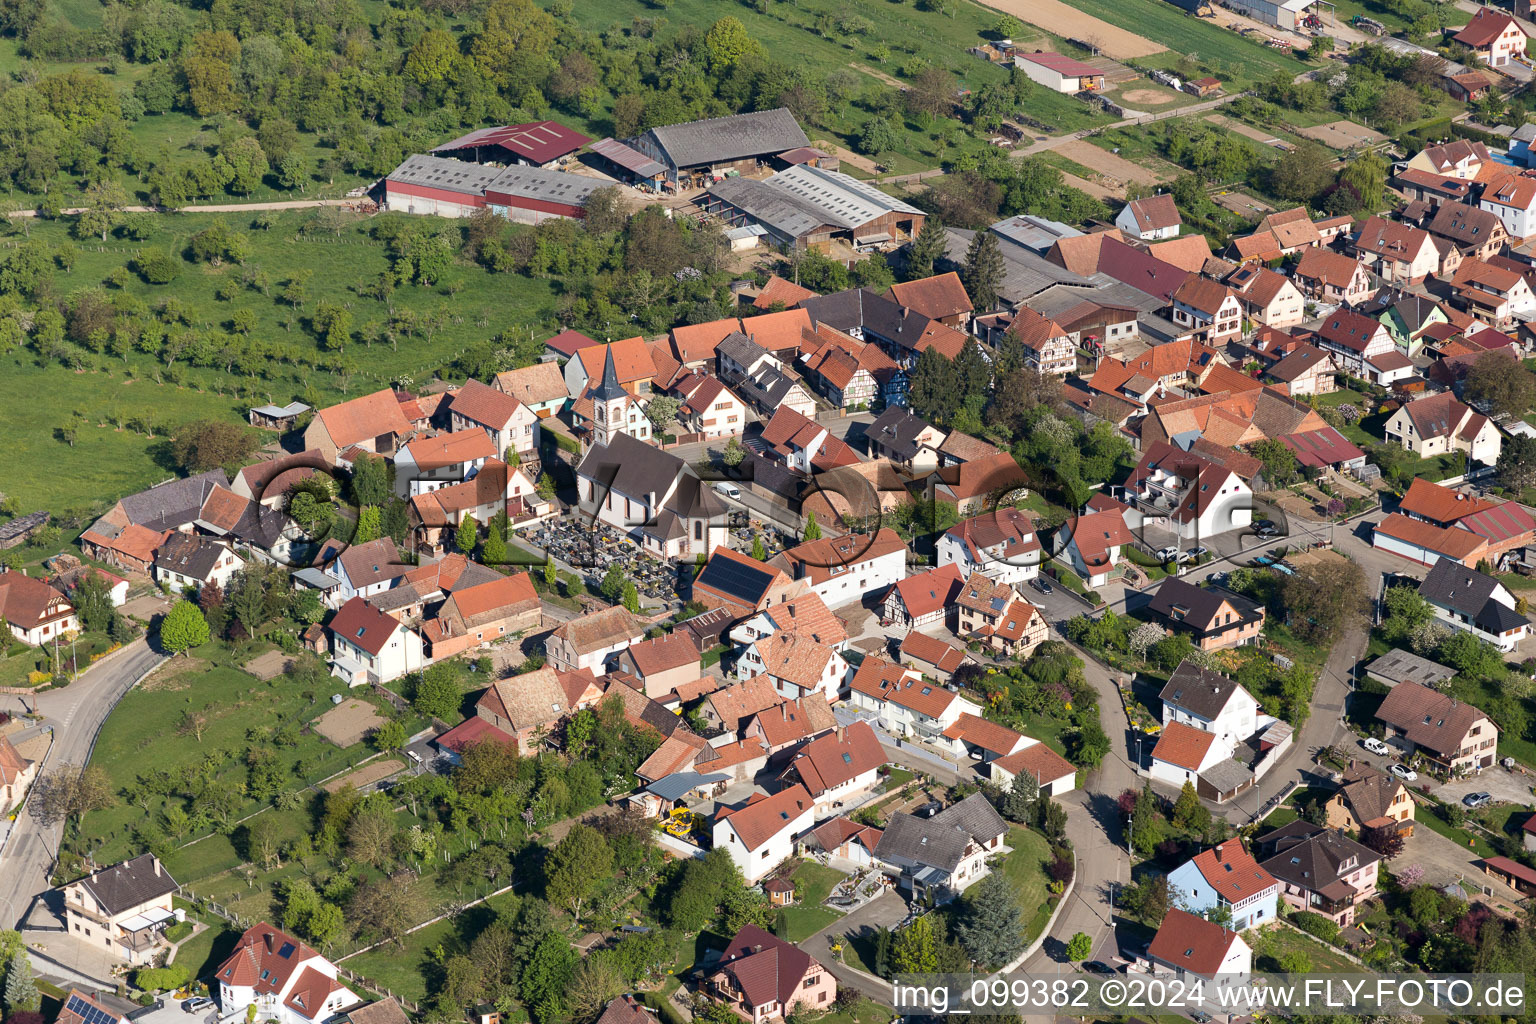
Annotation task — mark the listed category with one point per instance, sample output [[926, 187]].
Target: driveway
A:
[[884, 911], [1445, 863], [1506, 787]]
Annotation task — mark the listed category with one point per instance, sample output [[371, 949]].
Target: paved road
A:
[[75, 713], [884, 911]]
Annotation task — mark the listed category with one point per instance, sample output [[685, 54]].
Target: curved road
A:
[[75, 714]]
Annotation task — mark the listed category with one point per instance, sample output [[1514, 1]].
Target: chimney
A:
[[1220, 849], [156, 862], [840, 731], [267, 938]]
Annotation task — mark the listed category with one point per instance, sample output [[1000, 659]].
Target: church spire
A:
[[609, 390]]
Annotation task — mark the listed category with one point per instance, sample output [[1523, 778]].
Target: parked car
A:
[[1265, 528], [1200, 1017], [1167, 554], [1039, 584], [1375, 745], [1403, 772], [729, 490], [1194, 555], [197, 1004], [1097, 967], [1476, 800]]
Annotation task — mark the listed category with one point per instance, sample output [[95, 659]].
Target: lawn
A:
[[1228, 54], [808, 916], [1286, 940], [204, 951], [406, 970], [1025, 868], [108, 460], [897, 778]]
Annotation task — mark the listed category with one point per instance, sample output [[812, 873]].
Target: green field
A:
[[1228, 54], [108, 460], [405, 971]]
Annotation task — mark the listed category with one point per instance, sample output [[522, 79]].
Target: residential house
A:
[[994, 614], [633, 367], [1150, 219], [842, 570], [1495, 294], [848, 841], [728, 710], [1512, 199], [652, 496], [943, 855], [1209, 309], [509, 424], [975, 484], [802, 444], [760, 835], [1331, 277], [795, 664], [16, 775], [593, 641], [1320, 870], [763, 978], [525, 708], [1427, 543], [709, 408], [363, 570], [1184, 752], [1209, 701], [932, 656], [428, 463], [1308, 370], [1496, 37], [1457, 737], [662, 664], [806, 615], [1047, 347], [123, 909], [1000, 544], [540, 387], [187, 560], [788, 723], [1354, 340], [1227, 876], [35, 612], [1429, 190], [435, 516], [283, 979], [369, 423], [906, 440], [1442, 423], [1367, 798], [984, 741], [782, 293], [1459, 158], [131, 531], [941, 297], [80, 1008], [731, 579], [1198, 499], [1211, 617], [1267, 297], [1506, 526], [922, 598], [1054, 775], [1408, 317], [1325, 449], [1399, 253], [1477, 232], [1191, 948], [1175, 364], [476, 616], [270, 482], [849, 373], [738, 355], [1092, 543], [694, 345], [837, 766], [369, 645], [904, 703]]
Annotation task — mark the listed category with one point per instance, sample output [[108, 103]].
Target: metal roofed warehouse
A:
[[717, 144], [807, 205], [454, 188]]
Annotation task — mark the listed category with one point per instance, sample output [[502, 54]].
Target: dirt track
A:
[[1057, 17], [1105, 162]]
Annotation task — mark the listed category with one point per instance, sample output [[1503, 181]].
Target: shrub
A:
[[1316, 925], [161, 979]]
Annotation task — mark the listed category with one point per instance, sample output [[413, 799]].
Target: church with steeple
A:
[[607, 410]]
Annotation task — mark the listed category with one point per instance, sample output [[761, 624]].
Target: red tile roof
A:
[[1232, 871], [760, 821], [1154, 213], [362, 625], [930, 590], [1191, 943], [836, 757], [1486, 26], [938, 296], [1183, 746], [782, 291], [1039, 762], [364, 418], [767, 969], [930, 649], [999, 739]]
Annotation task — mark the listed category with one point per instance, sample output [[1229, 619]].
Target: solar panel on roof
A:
[[88, 1012], [732, 577]]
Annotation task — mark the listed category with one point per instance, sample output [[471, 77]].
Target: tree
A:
[[1018, 803], [1080, 947], [156, 266], [913, 949], [812, 528], [437, 693], [1280, 465], [208, 444], [546, 977], [385, 908], [370, 480], [575, 866], [924, 250], [1517, 462], [1304, 172], [991, 924], [368, 523], [1498, 379], [68, 792], [183, 628], [494, 551], [630, 597], [727, 44], [468, 533], [759, 551], [1188, 811], [662, 412], [983, 271], [1324, 601], [876, 136], [20, 988], [104, 202], [1386, 840], [262, 841], [389, 736], [733, 454]]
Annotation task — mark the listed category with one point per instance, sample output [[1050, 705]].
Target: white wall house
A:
[[761, 835], [429, 463], [1001, 545], [796, 665], [372, 646], [507, 422], [1183, 752], [906, 704], [282, 978], [1226, 876], [1212, 703], [842, 570]]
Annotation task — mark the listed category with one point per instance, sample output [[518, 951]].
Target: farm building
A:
[[539, 144], [454, 188], [1286, 14], [808, 206], [629, 164], [712, 147], [1058, 72]]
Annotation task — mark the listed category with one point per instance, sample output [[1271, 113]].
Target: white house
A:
[[1353, 339], [709, 407], [187, 560], [796, 665], [1150, 219], [1492, 293], [372, 646], [761, 834], [1183, 752], [431, 462], [1212, 703], [945, 854], [34, 612], [1469, 600], [367, 569], [1442, 423], [837, 766], [1198, 498], [807, 615], [906, 704], [1226, 876], [1001, 545], [1191, 948], [284, 979], [1054, 774], [1092, 544], [842, 570], [509, 424]]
